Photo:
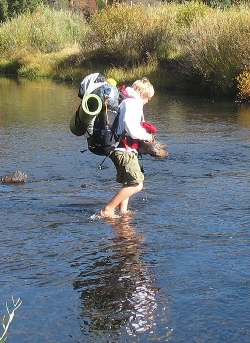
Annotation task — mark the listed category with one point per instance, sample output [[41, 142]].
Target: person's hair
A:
[[144, 88]]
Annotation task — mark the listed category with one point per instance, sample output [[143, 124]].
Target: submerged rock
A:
[[16, 177], [85, 185]]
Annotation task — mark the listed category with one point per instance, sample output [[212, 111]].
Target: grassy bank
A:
[[185, 46]]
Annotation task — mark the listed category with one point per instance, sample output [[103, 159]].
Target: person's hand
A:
[[151, 139]]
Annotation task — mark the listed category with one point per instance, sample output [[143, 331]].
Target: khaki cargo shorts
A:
[[127, 167]]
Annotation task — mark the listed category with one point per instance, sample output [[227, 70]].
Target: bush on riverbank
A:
[[43, 31], [126, 36], [217, 47], [176, 45], [35, 42]]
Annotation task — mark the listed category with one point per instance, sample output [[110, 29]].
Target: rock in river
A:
[[16, 177]]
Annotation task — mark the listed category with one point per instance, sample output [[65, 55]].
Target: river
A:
[[176, 272]]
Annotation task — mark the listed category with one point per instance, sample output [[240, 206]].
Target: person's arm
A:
[[132, 120]]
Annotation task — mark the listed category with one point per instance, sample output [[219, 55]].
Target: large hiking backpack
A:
[[102, 140], [96, 113]]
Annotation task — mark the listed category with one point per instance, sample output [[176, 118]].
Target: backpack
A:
[[103, 139], [101, 98], [90, 83]]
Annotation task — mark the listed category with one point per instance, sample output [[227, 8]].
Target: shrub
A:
[[190, 11], [44, 30], [218, 47], [244, 85], [128, 35], [3, 10]]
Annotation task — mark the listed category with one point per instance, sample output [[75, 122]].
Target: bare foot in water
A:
[[108, 215]]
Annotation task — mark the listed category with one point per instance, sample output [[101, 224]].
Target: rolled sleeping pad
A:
[[90, 107]]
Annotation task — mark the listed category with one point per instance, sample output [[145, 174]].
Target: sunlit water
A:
[[177, 271]]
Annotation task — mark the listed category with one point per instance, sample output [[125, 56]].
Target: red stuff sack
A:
[[150, 128]]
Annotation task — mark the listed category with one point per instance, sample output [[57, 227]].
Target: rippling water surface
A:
[[175, 272]]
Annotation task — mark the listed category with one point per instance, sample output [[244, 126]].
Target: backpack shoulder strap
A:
[[114, 127]]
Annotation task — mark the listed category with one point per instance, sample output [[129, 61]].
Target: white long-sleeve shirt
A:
[[131, 115]]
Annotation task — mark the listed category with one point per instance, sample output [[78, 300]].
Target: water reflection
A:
[[244, 115], [40, 102], [117, 290]]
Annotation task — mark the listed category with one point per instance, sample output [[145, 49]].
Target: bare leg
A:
[[123, 206], [121, 199]]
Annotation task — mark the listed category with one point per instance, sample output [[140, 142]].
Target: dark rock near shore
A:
[[16, 177]]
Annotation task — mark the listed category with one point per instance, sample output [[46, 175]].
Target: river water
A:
[[178, 271]]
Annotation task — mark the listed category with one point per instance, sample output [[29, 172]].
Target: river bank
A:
[[185, 46]]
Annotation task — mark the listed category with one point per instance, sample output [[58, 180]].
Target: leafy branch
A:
[[6, 321]]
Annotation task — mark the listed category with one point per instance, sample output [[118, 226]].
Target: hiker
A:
[[125, 155]]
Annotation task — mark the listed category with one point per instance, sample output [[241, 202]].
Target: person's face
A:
[[145, 100]]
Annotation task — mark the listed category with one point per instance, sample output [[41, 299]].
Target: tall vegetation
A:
[[36, 42], [217, 47], [10, 8], [43, 31], [179, 43], [127, 35]]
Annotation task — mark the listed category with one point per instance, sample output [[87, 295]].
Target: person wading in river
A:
[[125, 155]]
